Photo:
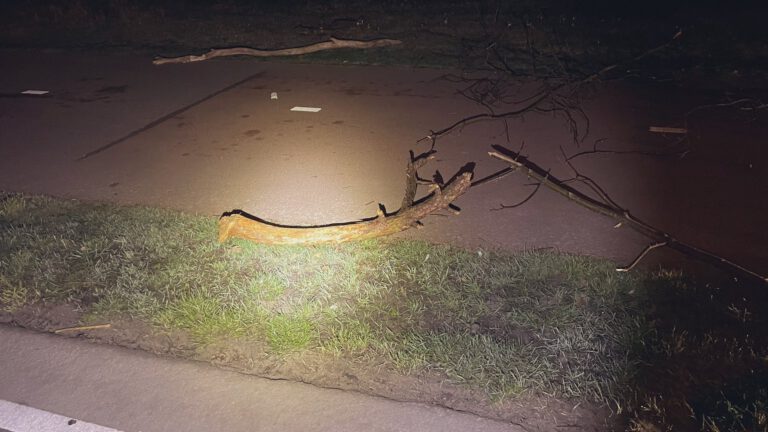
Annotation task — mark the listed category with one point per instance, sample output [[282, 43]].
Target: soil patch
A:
[[249, 357]]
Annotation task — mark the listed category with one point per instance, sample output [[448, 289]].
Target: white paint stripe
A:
[[305, 109], [20, 418], [35, 92]]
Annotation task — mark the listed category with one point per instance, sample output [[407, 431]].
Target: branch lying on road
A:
[[320, 46], [608, 208], [238, 224]]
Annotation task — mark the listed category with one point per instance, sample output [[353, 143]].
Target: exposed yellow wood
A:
[[251, 228]]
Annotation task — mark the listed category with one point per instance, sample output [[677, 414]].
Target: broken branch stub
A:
[[251, 228], [334, 43], [412, 177]]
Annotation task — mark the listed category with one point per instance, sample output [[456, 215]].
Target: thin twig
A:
[[607, 69], [498, 175], [641, 256], [623, 216], [485, 116], [83, 328], [510, 206], [546, 94], [590, 183]]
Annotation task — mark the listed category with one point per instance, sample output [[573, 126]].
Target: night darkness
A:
[[524, 215]]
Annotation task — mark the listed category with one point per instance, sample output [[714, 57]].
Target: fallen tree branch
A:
[[622, 216], [334, 43], [241, 225]]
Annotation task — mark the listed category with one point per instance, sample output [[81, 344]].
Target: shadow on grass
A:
[[705, 364]]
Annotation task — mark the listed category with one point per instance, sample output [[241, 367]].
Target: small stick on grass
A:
[[83, 328]]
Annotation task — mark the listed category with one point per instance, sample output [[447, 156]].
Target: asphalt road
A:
[[134, 391], [208, 138]]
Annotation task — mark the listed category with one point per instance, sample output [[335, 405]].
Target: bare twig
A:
[[83, 328], [535, 102], [518, 204], [606, 199], [602, 72], [486, 116], [516, 161], [679, 152], [743, 104], [642, 254], [498, 175]]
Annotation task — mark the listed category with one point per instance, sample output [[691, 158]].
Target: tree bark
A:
[[248, 227]]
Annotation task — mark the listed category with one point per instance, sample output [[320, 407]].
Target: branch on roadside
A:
[[334, 43], [241, 225], [607, 207]]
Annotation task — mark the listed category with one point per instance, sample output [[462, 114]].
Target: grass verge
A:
[[661, 348]]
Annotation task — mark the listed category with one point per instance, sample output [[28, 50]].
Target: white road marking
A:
[[306, 109], [35, 92], [21, 418]]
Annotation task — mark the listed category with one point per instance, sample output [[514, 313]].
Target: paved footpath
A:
[[133, 391], [21, 418]]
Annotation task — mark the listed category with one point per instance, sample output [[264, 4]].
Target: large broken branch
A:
[[320, 46], [237, 224], [622, 216]]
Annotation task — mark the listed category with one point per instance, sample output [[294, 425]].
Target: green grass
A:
[[290, 332], [532, 323]]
